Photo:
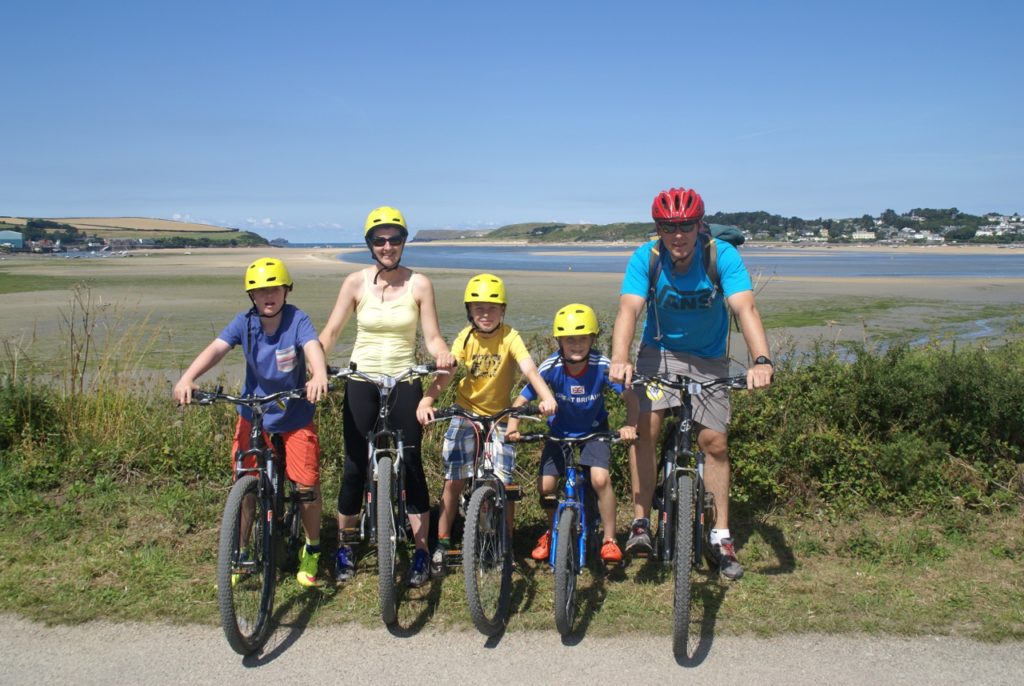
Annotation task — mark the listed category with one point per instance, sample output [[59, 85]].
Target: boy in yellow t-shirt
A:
[[490, 351]]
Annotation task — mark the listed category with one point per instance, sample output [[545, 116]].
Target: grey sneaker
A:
[[639, 542], [439, 563], [418, 573], [724, 555], [344, 564]]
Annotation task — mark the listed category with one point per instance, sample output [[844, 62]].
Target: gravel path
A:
[[105, 653]]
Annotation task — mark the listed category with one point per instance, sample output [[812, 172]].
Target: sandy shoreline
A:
[[192, 294], [799, 248]]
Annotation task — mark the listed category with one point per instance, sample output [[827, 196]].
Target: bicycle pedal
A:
[[453, 558], [513, 493], [350, 535]]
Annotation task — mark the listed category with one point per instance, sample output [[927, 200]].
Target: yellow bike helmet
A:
[[575, 320], [485, 288], [384, 216], [266, 272]]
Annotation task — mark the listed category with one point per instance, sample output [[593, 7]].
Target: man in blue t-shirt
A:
[[685, 333], [578, 376]]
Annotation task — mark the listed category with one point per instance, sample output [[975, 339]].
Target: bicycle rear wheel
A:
[[567, 567], [682, 566], [387, 543], [487, 561], [703, 525], [246, 576]]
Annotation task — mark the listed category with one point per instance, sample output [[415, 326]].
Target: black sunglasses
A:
[[380, 241], [685, 227]]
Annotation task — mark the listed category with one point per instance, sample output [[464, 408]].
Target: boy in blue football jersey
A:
[[578, 375]]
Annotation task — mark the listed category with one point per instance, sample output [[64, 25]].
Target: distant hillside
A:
[[555, 232], [427, 235], [165, 232]]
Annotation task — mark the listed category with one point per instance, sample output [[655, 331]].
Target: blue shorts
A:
[[593, 454], [459, 449]]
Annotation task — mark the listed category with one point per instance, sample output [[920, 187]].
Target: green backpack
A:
[[718, 232]]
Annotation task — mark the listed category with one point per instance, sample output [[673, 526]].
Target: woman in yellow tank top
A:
[[388, 301]]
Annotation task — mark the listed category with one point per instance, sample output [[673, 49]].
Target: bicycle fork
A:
[[573, 501]]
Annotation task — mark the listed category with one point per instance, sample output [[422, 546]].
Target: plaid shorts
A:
[[459, 448]]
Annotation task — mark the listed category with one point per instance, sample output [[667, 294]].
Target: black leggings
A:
[[359, 417]]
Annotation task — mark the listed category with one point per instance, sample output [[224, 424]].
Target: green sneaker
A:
[[308, 563]]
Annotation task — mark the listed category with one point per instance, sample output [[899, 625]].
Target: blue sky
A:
[[295, 119]]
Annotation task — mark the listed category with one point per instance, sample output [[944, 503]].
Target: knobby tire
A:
[[683, 566], [387, 543], [567, 565], [246, 606], [487, 561]]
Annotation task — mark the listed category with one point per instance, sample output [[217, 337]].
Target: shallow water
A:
[[766, 261]]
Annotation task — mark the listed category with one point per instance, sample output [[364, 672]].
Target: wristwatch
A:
[[761, 359]]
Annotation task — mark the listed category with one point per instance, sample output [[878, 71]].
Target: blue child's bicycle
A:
[[574, 532]]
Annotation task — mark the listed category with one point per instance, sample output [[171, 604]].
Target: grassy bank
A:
[[876, 491]]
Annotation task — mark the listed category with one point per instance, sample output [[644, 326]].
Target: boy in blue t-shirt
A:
[[278, 339], [578, 376]]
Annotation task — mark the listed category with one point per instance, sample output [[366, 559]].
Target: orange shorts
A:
[[301, 449]]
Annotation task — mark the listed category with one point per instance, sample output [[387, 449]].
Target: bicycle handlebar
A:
[[201, 397], [456, 411], [681, 382], [603, 436], [385, 380]]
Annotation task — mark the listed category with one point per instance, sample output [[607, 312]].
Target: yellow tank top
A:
[[385, 331]]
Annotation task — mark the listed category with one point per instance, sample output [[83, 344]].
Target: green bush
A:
[[903, 429]]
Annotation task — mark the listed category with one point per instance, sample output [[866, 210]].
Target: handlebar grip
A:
[[738, 383], [531, 438], [201, 397], [526, 410], [341, 372], [444, 413]]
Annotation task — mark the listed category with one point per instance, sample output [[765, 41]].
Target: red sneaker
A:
[[610, 551], [543, 549]]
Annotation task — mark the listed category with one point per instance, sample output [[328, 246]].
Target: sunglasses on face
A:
[[685, 227], [381, 241]]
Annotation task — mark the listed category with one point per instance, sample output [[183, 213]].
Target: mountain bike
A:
[[686, 511], [574, 531], [384, 519], [487, 538], [261, 515]]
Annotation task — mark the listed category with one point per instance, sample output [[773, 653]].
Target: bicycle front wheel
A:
[[387, 543], [246, 577], [683, 566], [487, 561], [567, 567]]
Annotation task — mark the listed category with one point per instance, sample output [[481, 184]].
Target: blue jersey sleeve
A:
[[545, 371]]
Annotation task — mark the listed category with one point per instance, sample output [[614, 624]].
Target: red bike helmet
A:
[[677, 205]]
